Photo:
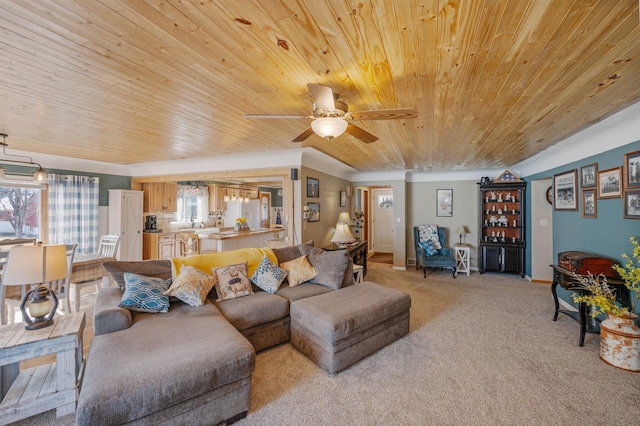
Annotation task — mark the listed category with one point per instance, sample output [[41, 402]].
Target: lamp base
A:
[[38, 324]]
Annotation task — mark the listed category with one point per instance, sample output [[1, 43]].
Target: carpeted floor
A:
[[482, 350], [386, 258]]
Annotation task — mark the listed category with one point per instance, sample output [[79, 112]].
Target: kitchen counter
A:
[[231, 240], [166, 244]]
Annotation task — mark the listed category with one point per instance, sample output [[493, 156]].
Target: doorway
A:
[[541, 232], [382, 220]]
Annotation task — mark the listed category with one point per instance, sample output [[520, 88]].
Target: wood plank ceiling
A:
[[494, 81]]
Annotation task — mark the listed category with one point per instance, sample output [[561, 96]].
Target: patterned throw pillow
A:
[[268, 276], [299, 270], [430, 233], [232, 281], [191, 286], [428, 247], [145, 294]]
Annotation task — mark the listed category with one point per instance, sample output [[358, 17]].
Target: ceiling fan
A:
[[331, 117]]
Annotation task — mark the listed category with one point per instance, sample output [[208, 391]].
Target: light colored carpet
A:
[[482, 350]]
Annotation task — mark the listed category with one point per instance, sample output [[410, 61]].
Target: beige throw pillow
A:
[[233, 281], [191, 286], [299, 270]]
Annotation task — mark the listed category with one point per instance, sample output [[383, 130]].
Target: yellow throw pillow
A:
[[299, 270], [191, 286]]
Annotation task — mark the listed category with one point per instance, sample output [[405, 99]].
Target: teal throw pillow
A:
[[268, 276], [145, 294], [428, 247]]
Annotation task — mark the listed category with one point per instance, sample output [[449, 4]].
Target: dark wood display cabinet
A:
[[502, 225]]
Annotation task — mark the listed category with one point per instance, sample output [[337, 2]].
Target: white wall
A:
[[541, 232]]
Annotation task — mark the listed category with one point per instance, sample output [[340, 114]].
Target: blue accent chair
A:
[[444, 259]]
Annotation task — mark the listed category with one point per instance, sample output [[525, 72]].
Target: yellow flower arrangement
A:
[[241, 219], [600, 296]]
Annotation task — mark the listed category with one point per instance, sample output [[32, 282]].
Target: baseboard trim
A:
[[400, 268]]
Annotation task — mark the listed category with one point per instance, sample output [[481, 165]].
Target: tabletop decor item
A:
[[241, 225], [619, 336]]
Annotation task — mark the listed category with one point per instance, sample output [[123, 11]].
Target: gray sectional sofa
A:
[[194, 364]]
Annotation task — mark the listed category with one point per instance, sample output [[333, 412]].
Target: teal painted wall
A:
[[107, 182], [607, 235]]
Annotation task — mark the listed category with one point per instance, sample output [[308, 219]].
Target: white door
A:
[[382, 208], [131, 236]]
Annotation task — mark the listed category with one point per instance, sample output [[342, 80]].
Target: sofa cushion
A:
[[301, 291], [204, 262], [232, 281], [159, 362], [256, 309], [107, 315], [192, 286], [145, 294], [285, 254], [268, 276], [148, 268], [298, 270], [330, 265]]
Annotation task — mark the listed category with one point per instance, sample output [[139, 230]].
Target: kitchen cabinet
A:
[[161, 246], [160, 197], [125, 220], [502, 224], [216, 198]]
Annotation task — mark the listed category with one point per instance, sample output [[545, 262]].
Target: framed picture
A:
[[588, 175], [314, 212], [609, 185], [632, 170], [632, 204], [589, 203], [565, 191], [444, 202], [343, 198], [313, 187]]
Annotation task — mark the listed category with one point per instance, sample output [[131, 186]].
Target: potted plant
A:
[[619, 336]]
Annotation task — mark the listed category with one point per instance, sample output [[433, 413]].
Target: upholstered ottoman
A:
[[339, 328]]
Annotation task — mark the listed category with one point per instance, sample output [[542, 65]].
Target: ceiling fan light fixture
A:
[[329, 127]]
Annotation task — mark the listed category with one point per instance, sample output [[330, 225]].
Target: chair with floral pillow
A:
[[429, 243]]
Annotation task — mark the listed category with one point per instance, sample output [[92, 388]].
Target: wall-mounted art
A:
[[588, 175], [565, 195], [589, 209], [314, 212], [444, 202], [313, 187], [609, 183], [632, 204], [632, 170]]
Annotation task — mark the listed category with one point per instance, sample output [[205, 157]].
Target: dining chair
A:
[[190, 243], [108, 247], [4, 255]]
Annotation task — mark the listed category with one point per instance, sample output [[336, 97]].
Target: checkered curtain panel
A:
[[73, 211]]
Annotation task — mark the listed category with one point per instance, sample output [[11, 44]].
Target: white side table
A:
[[358, 273], [463, 258], [39, 389]]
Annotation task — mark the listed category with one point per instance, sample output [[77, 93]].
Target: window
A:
[[19, 212], [193, 204]]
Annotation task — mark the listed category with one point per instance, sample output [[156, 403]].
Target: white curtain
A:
[[73, 211]]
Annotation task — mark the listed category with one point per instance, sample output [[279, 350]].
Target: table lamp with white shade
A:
[[343, 235], [36, 265], [460, 230]]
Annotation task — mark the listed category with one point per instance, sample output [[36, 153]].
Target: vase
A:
[[620, 342]]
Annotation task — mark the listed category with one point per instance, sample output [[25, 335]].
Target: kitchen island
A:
[[230, 240]]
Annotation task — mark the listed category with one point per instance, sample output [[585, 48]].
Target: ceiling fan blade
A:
[[384, 114], [273, 116], [304, 135], [323, 96], [361, 134]]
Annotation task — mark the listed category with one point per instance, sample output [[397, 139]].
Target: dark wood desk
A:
[[564, 278], [357, 252]]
